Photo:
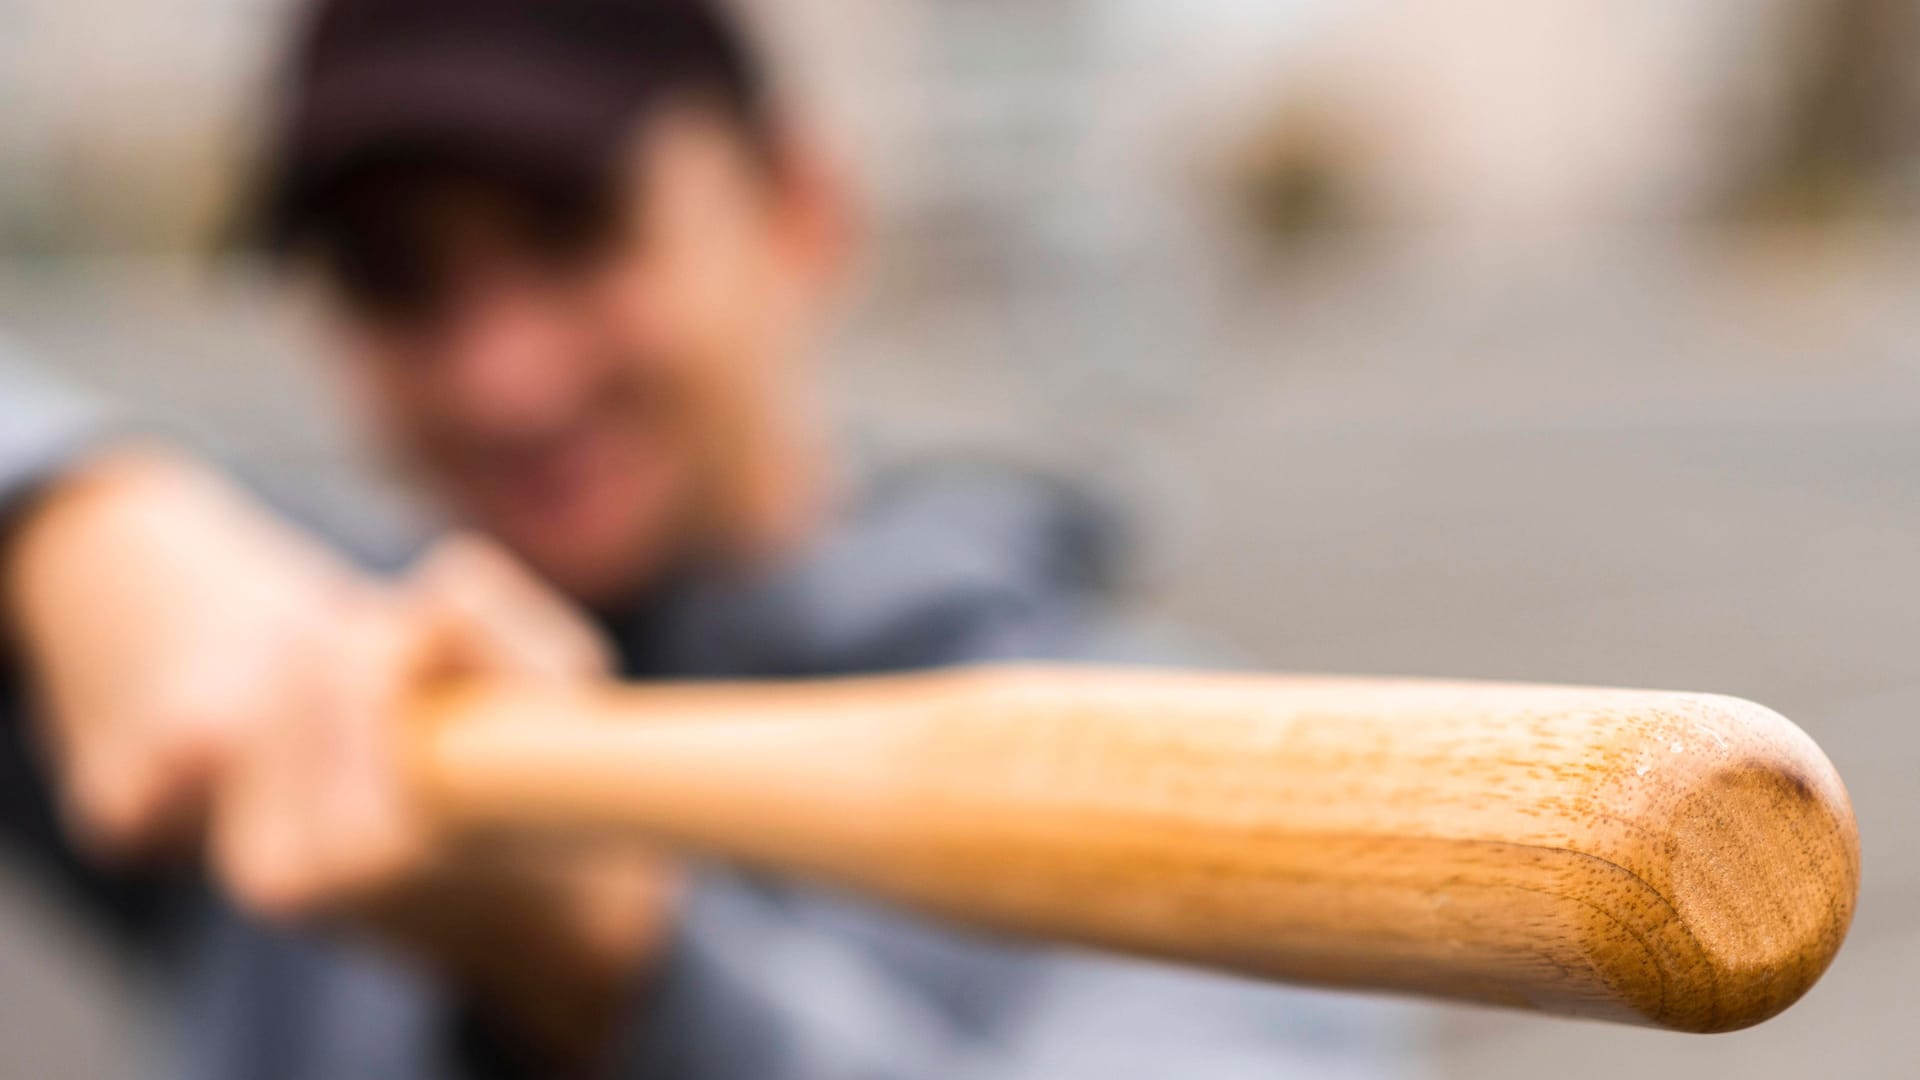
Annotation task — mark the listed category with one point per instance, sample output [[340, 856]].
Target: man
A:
[[575, 266]]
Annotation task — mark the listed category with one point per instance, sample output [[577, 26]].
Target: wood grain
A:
[[1680, 860]]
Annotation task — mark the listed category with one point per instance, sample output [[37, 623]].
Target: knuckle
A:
[[461, 560], [268, 895], [196, 712], [586, 653], [264, 883], [112, 812]]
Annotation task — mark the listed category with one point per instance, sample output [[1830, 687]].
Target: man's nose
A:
[[510, 365]]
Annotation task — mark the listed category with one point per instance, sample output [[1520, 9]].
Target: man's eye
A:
[[568, 240], [566, 255], [389, 288]]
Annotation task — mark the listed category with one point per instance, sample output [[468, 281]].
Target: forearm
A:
[[48, 433], [46, 428], [131, 508], [44, 425]]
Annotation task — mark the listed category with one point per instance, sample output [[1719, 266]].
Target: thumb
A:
[[496, 618]]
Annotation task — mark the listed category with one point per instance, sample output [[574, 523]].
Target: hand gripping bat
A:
[[1680, 860]]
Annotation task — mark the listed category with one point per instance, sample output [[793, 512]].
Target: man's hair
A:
[[536, 99]]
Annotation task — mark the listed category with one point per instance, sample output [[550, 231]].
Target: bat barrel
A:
[[1678, 860]]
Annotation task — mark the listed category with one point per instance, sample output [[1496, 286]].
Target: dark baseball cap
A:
[[538, 96]]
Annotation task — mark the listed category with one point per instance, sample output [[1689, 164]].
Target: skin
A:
[[211, 681], [602, 419]]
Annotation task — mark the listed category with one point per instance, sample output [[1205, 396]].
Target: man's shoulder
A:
[[934, 564], [1052, 535]]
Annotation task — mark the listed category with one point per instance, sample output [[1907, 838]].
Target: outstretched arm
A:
[[201, 685]]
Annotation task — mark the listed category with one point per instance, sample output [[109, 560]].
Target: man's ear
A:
[[818, 218]]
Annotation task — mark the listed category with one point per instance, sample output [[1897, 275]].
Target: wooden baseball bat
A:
[[1680, 860]]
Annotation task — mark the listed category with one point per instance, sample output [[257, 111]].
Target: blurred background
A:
[[1494, 338]]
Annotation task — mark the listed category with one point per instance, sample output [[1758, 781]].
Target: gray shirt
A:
[[762, 981]]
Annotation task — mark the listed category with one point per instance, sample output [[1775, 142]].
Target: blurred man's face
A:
[[604, 402]]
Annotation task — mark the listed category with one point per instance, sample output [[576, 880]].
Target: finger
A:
[[132, 781], [116, 807], [260, 837], [504, 620], [316, 816], [373, 831]]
